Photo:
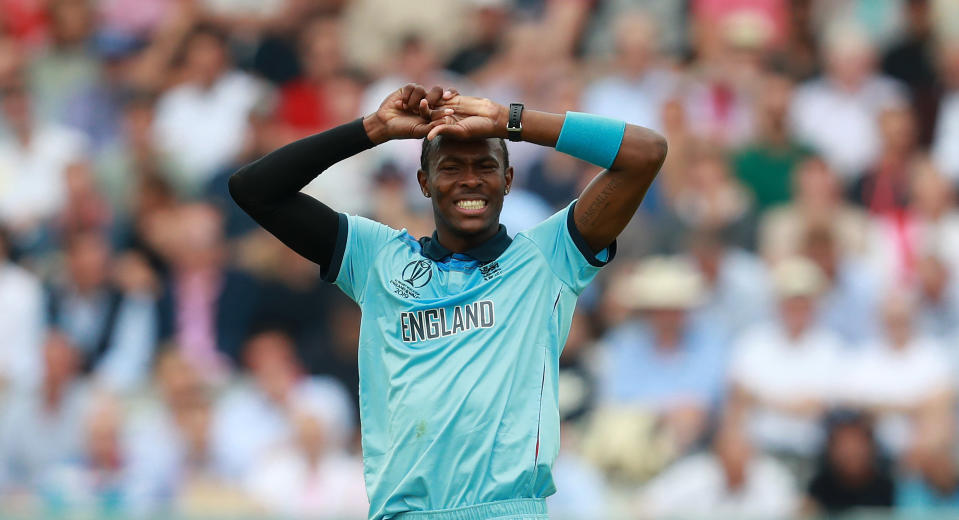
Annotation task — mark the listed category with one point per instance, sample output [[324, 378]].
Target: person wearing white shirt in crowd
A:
[[901, 377], [198, 123], [38, 427], [784, 372], [254, 415], [849, 97], [928, 227], [33, 157], [667, 361], [639, 88], [937, 295], [732, 480], [21, 323], [310, 474]]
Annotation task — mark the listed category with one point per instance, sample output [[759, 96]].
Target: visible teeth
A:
[[471, 204]]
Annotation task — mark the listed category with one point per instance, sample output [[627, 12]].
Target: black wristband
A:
[[514, 128]]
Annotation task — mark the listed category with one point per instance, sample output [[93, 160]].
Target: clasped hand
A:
[[412, 112]]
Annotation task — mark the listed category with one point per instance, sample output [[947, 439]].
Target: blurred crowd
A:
[[778, 336]]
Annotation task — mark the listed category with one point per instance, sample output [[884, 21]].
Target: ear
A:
[[508, 174], [422, 177]]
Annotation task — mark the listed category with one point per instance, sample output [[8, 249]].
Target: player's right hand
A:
[[407, 113]]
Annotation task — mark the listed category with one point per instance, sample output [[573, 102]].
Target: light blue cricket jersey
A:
[[458, 359]]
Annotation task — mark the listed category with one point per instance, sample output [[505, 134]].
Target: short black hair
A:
[[429, 147]]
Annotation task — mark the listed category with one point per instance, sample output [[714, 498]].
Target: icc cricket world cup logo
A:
[[418, 273]]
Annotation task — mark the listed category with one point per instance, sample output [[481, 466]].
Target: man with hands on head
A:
[[461, 331]]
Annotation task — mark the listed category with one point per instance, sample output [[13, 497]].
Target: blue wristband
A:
[[594, 139]]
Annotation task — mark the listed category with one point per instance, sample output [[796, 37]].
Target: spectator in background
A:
[[712, 199], [490, 18], [849, 302], [937, 294], [96, 480], [42, 427], [850, 96], [738, 291], [168, 437], [852, 473], [124, 164], [638, 86], [933, 485], [944, 149], [97, 109], [666, 362], [206, 306], [114, 330], [21, 323], [68, 63], [912, 60], [884, 187], [902, 379], [765, 165], [439, 24], [816, 203], [307, 103], [33, 157], [255, 415], [84, 208], [310, 474], [731, 480], [197, 122], [928, 227], [784, 372], [720, 102]]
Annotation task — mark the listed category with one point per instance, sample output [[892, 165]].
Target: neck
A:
[[458, 242]]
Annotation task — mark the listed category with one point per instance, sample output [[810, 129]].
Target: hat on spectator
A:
[[796, 277], [661, 283]]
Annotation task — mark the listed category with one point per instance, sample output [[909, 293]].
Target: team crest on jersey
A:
[[415, 275]]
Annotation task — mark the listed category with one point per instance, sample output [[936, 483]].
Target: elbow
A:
[[656, 150], [646, 153], [237, 192]]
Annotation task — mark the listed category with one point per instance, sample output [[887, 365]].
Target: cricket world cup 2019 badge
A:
[[415, 275]]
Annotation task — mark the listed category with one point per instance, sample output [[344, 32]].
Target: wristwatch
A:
[[514, 127]]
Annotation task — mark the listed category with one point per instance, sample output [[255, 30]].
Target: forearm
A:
[[642, 150], [277, 177]]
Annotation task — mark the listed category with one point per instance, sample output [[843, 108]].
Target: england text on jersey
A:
[[441, 322]]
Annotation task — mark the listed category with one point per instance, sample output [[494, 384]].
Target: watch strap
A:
[[514, 127]]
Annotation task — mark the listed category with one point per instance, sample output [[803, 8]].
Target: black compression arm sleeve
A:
[[269, 190]]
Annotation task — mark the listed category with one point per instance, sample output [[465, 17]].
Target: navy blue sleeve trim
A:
[[581, 244], [336, 261]]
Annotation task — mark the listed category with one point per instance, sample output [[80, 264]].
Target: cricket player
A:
[[461, 331]]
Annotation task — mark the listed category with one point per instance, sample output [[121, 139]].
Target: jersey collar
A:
[[485, 252]]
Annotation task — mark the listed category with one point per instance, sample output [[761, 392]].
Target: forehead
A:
[[472, 150]]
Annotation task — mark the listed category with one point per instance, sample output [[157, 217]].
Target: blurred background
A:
[[777, 338]]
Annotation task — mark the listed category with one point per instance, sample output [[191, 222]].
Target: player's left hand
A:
[[472, 118]]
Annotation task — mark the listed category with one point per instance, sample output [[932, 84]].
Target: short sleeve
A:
[[358, 241], [566, 251]]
